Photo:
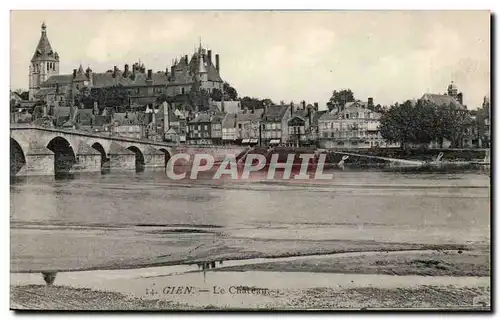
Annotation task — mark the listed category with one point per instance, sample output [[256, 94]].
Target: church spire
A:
[[44, 50]]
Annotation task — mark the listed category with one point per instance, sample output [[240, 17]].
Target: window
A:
[[273, 126], [182, 90], [199, 127], [347, 116], [206, 127], [278, 126]]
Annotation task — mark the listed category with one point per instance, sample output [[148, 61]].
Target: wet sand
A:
[[429, 279]]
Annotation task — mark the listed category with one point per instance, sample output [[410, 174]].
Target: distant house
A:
[[354, 126], [129, 124], [216, 128], [299, 125], [454, 99], [274, 124], [247, 125], [200, 129], [229, 134]]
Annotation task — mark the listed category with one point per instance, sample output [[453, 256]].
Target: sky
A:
[[391, 56]]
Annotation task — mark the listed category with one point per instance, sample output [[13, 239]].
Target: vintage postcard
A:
[[250, 160]]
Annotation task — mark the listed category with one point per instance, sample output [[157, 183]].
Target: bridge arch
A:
[[17, 157], [139, 158], [64, 155], [104, 157], [167, 156]]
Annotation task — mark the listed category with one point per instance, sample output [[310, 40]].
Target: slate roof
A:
[[60, 79], [217, 118], [328, 116], [249, 116], [275, 113], [130, 118], [318, 115], [44, 50], [442, 99], [202, 117], [297, 116], [195, 66], [106, 79], [44, 92]]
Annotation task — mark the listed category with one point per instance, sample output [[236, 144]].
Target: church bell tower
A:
[[43, 64]]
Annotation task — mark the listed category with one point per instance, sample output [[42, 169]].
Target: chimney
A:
[[74, 73], [460, 98], [291, 109], [370, 102], [217, 66], [210, 56], [150, 74], [125, 74], [316, 106], [172, 70], [115, 70], [186, 58]]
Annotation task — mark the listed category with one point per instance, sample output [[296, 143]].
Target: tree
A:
[[408, 123], [83, 97], [216, 95], [267, 102], [230, 93], [115, 96], [450, 123], [161, 98], [340, 98]]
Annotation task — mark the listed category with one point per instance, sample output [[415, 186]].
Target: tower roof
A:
[[452, 87], [44, 50], [201, 66]]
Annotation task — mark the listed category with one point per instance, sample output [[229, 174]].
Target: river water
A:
[[89, 221]]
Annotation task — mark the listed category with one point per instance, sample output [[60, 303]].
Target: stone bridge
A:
[[47, 151]]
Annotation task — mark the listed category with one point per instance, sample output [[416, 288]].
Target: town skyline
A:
[[284, 55]]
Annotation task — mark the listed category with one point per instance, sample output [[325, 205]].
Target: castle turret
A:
[[43, 64]]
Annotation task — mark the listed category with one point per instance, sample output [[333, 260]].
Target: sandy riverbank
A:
[[452, 264], [426, 297]]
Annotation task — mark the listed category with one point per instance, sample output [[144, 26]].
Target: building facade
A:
[[274, 124], [247, 124], [355, 126]]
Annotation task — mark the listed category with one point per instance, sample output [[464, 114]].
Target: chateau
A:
[[143, 86]]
